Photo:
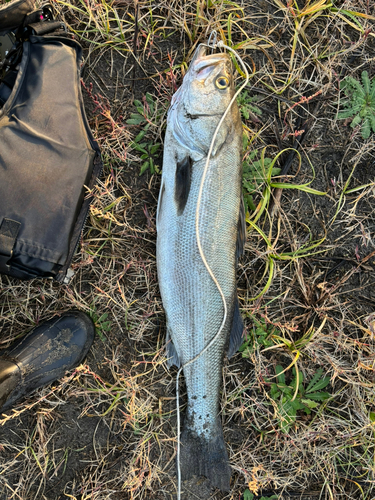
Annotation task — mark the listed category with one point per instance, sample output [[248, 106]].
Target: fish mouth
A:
[[204, 65]]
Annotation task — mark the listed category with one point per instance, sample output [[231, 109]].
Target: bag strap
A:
[[40, 22], [8, 234], [42, 28]]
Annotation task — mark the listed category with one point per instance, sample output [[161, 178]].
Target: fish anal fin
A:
[[182, 183], [236, 334], [172, 356]]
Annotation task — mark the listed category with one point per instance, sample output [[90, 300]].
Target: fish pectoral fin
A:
[[172, 356], [236, 337], [241, 231], [182, 183], [160, 202]]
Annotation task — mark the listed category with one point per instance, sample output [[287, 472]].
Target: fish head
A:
[[200, 102], [209, 82], [209, 85]]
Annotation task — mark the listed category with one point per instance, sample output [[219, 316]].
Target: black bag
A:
[[47, 154], [12, 14]]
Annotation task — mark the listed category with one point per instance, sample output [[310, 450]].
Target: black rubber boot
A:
[[44, 355]]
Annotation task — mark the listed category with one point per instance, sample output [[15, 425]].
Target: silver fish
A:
[[192, 301]]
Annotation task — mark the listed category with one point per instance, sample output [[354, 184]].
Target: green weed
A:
[[293, 397], [254, 174], [360, 103], [149, 114], [102, 323], [100, 24], [266, 169], [261, 337], [148, 152], [247, 495], [246, 104], [301, 18]]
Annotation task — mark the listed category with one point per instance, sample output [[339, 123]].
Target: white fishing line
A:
[[212, 44]]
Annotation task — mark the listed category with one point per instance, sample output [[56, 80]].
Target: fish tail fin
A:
[[205, 457]]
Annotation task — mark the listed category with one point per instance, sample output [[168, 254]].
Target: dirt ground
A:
[[305, 283]]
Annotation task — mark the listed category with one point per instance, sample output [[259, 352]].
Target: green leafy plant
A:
[[247, 106], [360, 103], [261, 337], [148, 151], [148, 111], [148, 114], [102, 323], [293, 397], [247, 495], [254, 174]]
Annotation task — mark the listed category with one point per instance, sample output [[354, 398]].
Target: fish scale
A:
[[191, 299]]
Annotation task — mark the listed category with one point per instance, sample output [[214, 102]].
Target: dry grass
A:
[[108, 430]]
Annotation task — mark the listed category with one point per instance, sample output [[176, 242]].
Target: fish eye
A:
[[222, 82]]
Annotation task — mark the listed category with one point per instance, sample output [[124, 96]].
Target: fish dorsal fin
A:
[[241, 231], [172, 356], [182, 183], [236, 338]]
